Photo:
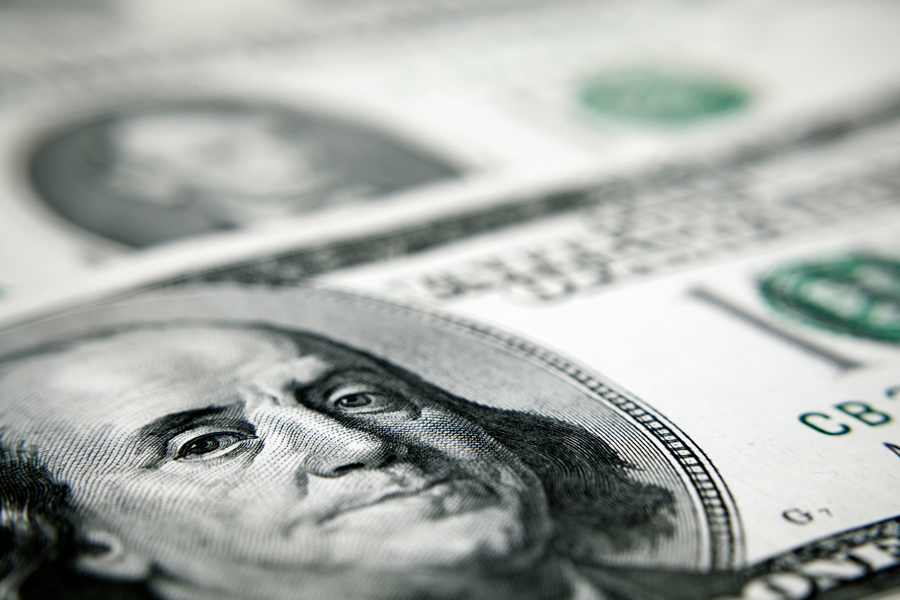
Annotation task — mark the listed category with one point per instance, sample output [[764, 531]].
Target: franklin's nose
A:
[[329, 448], [364, 451]]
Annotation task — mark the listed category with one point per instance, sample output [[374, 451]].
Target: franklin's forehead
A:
[[146, 370], [160, 351]]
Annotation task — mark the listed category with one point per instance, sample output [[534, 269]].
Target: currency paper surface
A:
[[682, 386], [446, 301]]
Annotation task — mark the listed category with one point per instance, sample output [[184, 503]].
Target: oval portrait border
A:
[[712, 500], [720, 511]]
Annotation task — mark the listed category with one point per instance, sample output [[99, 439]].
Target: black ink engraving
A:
[[167, 458], [451, 468]]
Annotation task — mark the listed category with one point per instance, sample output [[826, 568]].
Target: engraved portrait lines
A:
[[252, 442]]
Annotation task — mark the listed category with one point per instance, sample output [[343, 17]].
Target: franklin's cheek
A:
[[441, 431], [460, 442]]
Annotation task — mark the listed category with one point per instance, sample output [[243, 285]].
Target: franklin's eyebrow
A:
[[154, 436], [165, 427], [333, 379]]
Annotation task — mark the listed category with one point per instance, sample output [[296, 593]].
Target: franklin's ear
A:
[[102, 554]]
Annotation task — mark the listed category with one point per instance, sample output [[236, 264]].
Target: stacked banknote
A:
[[501, 299]]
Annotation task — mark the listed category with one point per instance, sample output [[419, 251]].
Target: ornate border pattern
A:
[[722, 517]]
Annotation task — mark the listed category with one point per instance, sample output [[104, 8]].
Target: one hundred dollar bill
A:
[[681, 386]]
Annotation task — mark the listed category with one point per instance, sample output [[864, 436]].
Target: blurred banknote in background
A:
[[507, 299], [165, 137], [165, 172]]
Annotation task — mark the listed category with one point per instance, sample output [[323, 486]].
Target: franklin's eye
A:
[[210, 445], [365, 400], [351, 400], [359, 400]]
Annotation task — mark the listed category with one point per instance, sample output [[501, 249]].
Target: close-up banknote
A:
[[509, 299]]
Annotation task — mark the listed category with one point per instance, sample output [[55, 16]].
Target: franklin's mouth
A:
[[442, 498]]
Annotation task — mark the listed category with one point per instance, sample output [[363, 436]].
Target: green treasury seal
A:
[[858, 294], [669, 97]]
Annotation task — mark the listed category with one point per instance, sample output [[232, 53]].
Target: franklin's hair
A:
[[595, 507]]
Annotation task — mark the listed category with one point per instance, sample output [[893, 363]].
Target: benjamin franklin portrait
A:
[[210, 458], [154, 172]]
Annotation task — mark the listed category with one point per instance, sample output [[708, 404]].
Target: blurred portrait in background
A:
[[162, 172]]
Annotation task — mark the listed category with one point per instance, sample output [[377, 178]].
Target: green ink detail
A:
[[857, 294], [662, 97]]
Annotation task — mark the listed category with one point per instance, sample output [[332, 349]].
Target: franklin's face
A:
[[237, 459]]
